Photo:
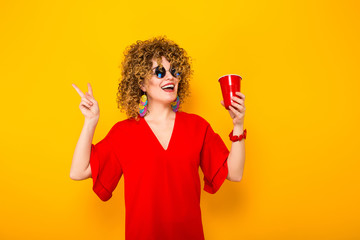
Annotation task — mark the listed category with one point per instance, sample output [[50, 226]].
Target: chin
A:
[[167, 97]]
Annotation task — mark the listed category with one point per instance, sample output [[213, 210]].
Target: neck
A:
[[159, 111]]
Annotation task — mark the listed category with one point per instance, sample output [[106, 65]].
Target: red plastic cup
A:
[[230, 84]]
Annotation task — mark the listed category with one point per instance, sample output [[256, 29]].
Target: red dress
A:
[[162, 187]]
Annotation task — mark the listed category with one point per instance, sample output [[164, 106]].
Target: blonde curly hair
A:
[[136, 68]]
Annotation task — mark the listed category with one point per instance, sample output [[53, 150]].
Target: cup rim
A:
[[229, 75]]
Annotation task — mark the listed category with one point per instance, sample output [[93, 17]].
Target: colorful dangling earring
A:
[[175, 104], [142, 105]]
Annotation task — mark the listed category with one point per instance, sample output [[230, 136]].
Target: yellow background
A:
[[300, 67]]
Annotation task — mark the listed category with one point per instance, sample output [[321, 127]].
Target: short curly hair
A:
[[136, 67]]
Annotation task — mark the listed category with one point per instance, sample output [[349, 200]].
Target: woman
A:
[[158, 148]]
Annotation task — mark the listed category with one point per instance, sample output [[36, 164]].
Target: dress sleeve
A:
[[106, 169], [213, 161]]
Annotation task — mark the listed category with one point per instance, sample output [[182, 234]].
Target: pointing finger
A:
[[78, 90]]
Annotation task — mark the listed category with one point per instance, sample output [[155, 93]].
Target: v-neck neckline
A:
[[171, 137]]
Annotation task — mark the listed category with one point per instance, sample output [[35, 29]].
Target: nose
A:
[[168, 75]]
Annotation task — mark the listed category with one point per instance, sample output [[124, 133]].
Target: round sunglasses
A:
[[160, 72]]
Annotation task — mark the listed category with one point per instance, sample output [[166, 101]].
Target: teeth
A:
[[169, 86]]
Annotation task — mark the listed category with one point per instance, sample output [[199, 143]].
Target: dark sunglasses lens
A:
[[174, 72], [160, 72]]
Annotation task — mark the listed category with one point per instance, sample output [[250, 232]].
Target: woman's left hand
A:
[[237, 109]]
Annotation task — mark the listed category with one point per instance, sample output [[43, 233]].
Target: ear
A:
[[142, 86]]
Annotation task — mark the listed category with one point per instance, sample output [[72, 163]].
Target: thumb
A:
[[89, 96], [222, 103]]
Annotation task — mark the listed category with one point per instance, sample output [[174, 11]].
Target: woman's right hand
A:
[[88, 105]]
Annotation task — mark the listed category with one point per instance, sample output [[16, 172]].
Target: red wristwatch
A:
[[237, 138]]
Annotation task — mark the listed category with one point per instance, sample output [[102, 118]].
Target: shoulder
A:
[[126, 123], [123, 126], [195, 119]]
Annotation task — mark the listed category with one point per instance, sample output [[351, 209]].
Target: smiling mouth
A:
[[168, 88]]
